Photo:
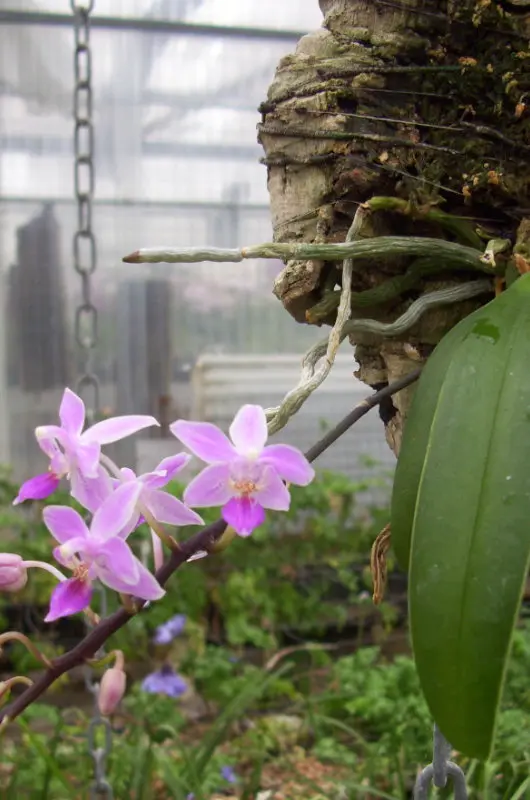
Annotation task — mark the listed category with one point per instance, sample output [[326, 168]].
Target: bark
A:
[[424, 100]]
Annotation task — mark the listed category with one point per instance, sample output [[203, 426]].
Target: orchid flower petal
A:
[[272, 492], [169, 510], [60, 557], [115, 557], [48, 437], [248, 431], [204, 440], [64, 523], [116, 428], [158, 550], [146, 586], [164, 472], [116, 511], [90, 492], [126, 475], [37, 488], [131, 525], [76, 545], [69, 597], [87, 458], [244, 515], [289, 463], [211, 487], [72, 413]]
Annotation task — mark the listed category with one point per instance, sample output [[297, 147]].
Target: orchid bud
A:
[[111, 690], [13, 573]]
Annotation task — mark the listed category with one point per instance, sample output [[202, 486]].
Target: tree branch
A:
[[202, 540]]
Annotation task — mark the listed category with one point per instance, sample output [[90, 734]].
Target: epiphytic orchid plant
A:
[[243, 476]]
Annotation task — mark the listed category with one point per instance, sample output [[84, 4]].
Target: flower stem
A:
[[5, 686], [111, 467], [114, 655], [157, 528], [128, 603], [48, 567], [11, 636]]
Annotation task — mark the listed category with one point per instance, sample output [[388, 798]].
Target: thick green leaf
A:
[[471, 536], [416, 436]]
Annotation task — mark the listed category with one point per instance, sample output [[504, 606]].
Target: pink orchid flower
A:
[[243, 476], [162, 506], [75, 453], [97, 553]]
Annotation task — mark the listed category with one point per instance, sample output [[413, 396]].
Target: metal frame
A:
[[187, 205], [168, 27], [57, 145]]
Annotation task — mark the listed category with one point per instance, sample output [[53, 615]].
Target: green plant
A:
[[377, 717]]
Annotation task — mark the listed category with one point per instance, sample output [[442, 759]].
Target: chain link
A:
[[86, 326], [440, 769], [84, 242]]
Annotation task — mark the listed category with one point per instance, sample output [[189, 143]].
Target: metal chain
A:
[[84, 242], [440, 769], [86, 325]]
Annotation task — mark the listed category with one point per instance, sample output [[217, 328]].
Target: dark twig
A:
[[359, 411], [202, 540]]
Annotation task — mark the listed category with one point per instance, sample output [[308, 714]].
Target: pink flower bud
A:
[[13, 573], [111, 690]]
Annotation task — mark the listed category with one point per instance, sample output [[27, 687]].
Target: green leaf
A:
[[416, 437], [471, 535]]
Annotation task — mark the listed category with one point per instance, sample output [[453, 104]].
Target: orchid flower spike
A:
[[75, 454], [244, 476], [97, 553]]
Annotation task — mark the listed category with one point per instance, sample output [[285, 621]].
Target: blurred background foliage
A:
[[298, 687]]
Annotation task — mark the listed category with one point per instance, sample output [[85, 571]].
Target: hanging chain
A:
[[84, 242], [440, 769], [86, 325]]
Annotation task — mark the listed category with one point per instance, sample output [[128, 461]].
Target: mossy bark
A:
[[425, 100]]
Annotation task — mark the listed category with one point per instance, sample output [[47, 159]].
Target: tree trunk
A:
[[423, 100]]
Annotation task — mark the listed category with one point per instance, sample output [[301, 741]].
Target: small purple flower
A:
[[228, 774], [243, 476], [97, 553], [169, 630], [165, 681], [162, 506], [75, 453]]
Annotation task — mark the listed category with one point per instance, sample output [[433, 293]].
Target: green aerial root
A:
[[420, 268]]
